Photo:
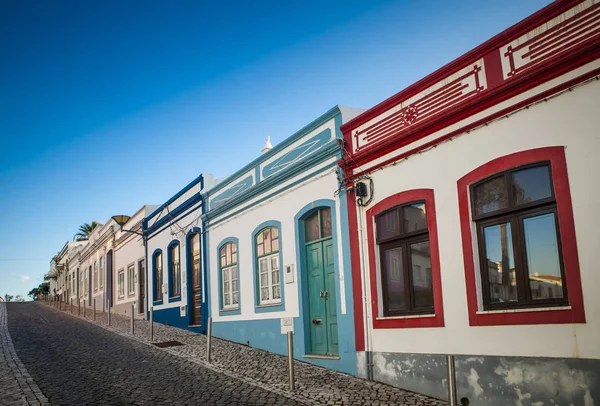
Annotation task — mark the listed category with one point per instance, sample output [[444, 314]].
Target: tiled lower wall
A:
[[490, 380]]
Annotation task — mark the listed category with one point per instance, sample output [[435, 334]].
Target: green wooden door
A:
[[321, 297]]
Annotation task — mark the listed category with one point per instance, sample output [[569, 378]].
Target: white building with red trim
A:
[[474, 219]]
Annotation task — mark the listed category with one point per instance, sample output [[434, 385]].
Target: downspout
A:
[[205, 279], [368, 315], [147, 276]]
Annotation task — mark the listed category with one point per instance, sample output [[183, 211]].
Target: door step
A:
[[319, 356]]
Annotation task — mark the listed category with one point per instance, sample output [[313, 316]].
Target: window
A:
[[95, 276], [405, 258], [517, 209], [517, 235], [404, 263], [229, 276], [131, 279], [158, 278], [101, 272], [174, 271], [121, 284], [267, 254]]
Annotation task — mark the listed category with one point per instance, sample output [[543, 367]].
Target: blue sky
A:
[[107, 105]]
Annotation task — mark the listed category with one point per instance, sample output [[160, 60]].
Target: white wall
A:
[[570, 120], [282, 208]]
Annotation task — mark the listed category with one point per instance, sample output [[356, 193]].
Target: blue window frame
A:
[[229, 277], [174, 270], [268, 267], [157, 276]]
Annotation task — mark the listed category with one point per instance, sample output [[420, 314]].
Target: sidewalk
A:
[[314, 385]]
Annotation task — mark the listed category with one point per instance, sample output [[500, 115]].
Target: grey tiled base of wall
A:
[[489, 380]]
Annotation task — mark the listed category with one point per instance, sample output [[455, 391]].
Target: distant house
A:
[[1, 299]]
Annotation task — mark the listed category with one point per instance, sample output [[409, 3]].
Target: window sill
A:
[[268, 305], [318, 356], [230, 309], [174, 299], [525, 310], [271, 307], [408, 316], [157, 302]]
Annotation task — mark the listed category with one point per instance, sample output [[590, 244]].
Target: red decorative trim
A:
[[576, 314], [359, 325], [562, 48], [522, 27], [469, 127], [412, 322]]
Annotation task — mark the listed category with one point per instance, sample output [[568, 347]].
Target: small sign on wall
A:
[[287, 324], [182, 311], [289, 273]]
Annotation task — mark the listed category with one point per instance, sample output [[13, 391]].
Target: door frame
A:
[[141, 305], [302, 323], [188, 280]]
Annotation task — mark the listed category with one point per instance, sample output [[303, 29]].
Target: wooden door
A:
[[141, 286], [196, 290]]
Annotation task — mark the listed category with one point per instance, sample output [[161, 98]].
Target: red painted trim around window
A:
[[359, 326], [410, 322], [576, 314]]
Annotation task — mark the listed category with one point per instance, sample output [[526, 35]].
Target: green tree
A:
[[85, 230]]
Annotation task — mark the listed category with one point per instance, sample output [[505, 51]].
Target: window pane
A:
[[260, 250], [276, 292], [275, 277], [234, 287], [543, 263], [259, 238], [234, 258], [421, 274], [225, 274], [394, 280], [267, 242], [490, 196], [233, 273], [226, 287], [264, 279], [263, 265], [415, 217], [388, 224], [275, 245], [226, 300], [311, 227], [531, 184], [326, 223], [264, 295], [275, 263], [500, 263], [235, 298]]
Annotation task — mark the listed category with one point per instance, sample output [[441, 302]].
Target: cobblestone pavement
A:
[[16, 385], [77, 363], [314, 385]]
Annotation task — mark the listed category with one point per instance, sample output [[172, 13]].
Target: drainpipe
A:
[[364, 275]]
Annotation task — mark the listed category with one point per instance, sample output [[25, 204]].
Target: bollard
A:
[[451, 381], [132, 321], [94, 311], [71, 305], [290, 337], [109, 313], [84, 309], [208, 339], [79, 307], [151, 324]]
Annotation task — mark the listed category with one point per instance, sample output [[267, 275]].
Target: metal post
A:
[[132, 321], [151, 324], [71, 305], [109, 312], [290, 337], [451, 381], [79, 307], [208, 339], [84, 309], [94, 311]]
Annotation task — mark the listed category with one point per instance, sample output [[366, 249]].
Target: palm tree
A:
[[84, 231]]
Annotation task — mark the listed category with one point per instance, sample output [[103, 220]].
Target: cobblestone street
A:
[[77, 361]]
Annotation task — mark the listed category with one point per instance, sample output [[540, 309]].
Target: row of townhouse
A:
[[458, 217]]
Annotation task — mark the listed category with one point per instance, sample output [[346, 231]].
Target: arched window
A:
[[229, 276], [157, 276], [101, 272], [174, 271], [96, 276], [267, 256]]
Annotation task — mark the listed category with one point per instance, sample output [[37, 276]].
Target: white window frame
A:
[[227, 279], [121, 283], [95, 275], [270, 269], [102, 275], [131, 279]]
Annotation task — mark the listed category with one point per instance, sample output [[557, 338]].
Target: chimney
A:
[[267, 146]]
